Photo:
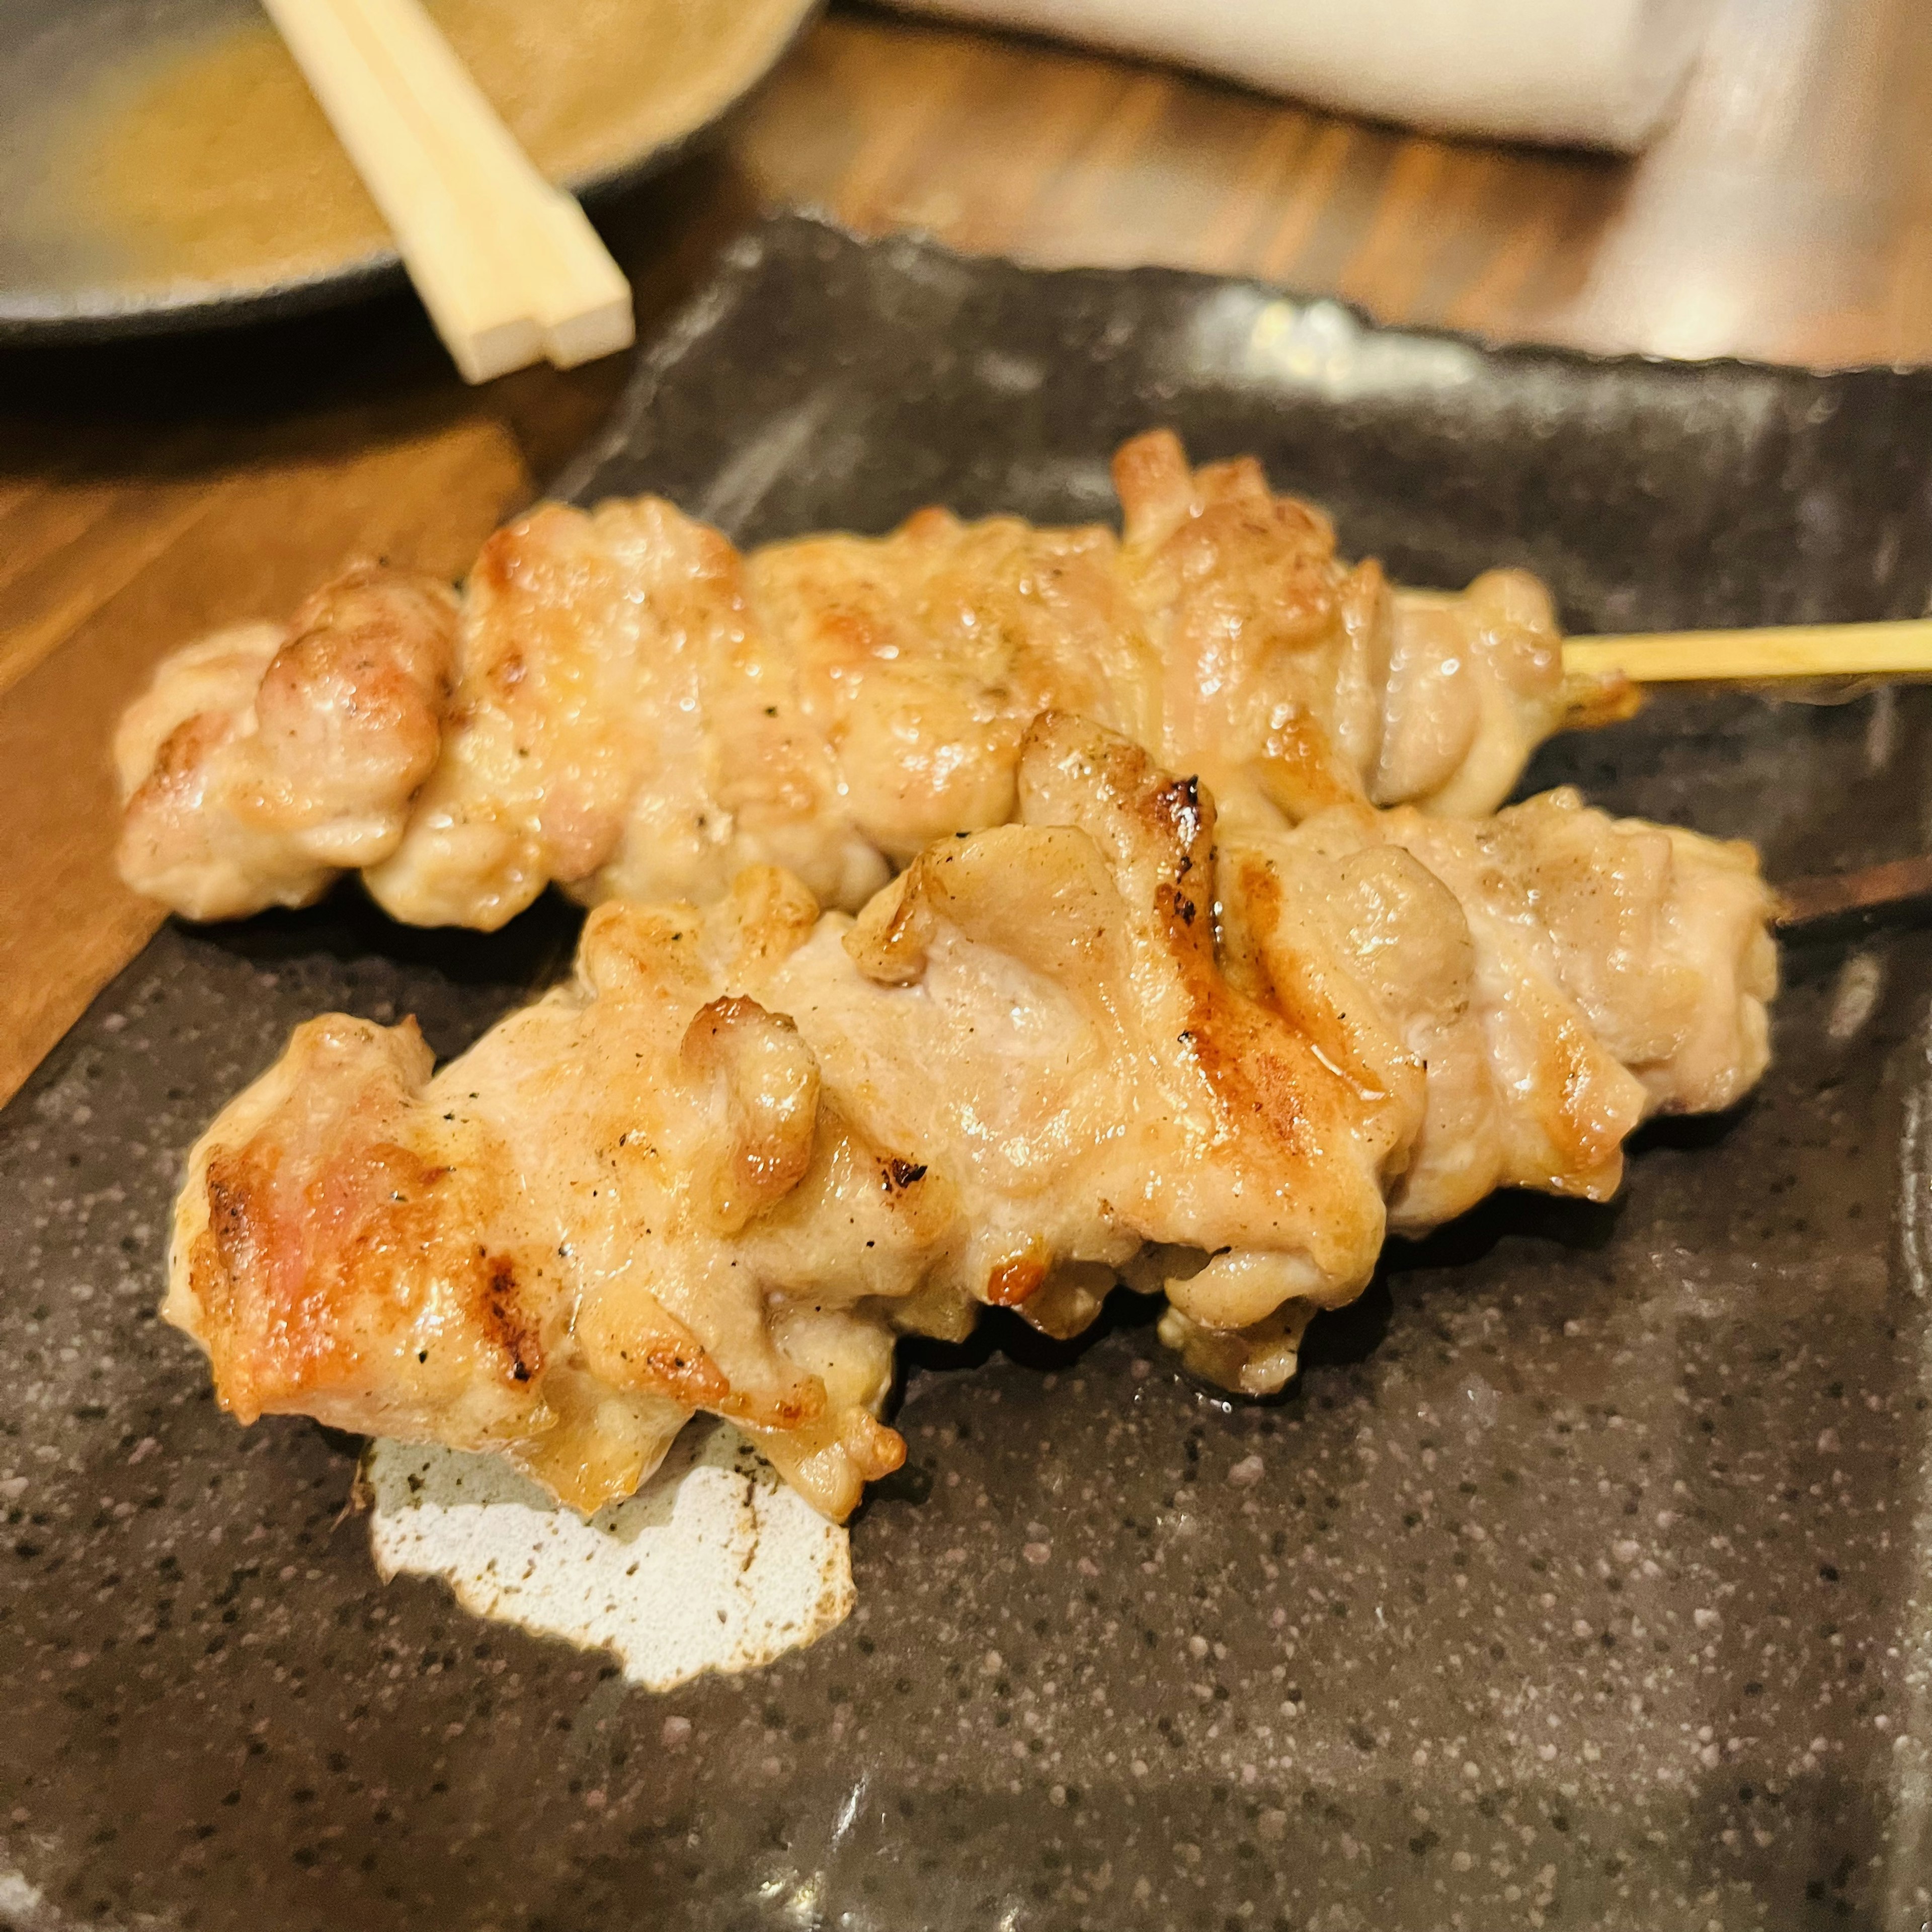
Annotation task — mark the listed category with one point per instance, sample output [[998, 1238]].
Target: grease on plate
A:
[[714, 1564]]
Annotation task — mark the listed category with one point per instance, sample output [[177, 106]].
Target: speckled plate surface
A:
[[162, 165], [1582, 1579]]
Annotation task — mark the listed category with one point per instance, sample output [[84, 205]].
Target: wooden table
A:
[[148, 492]]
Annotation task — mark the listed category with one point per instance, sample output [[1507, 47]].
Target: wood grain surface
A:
[[149, 492]]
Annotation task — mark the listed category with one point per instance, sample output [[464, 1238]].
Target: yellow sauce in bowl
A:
[[213, 164]]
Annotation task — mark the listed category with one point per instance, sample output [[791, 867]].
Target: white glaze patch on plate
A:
[[715, 1564]]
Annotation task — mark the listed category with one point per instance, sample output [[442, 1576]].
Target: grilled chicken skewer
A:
[[751, 1144], [621, 703]]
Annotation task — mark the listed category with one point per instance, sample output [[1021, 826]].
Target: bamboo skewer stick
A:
[[1903, 647], [1897, 647], [508, 266], [1887, 891]]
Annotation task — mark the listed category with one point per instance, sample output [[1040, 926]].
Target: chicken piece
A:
[[629, 707], [1561, 974], [749, 1144], [262, 763], [1040, 1011], [623, 722], [542, 1248], [1287, 673]]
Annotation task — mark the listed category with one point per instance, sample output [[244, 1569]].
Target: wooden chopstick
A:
[[477, 304], [508, 266], [1903, 647], [579, 297]]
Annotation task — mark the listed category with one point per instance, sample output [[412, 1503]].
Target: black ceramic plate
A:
[[163, 166], [1586, 1585]]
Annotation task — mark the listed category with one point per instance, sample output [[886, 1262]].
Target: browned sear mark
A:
[[513, 1330], [1014, 1280]]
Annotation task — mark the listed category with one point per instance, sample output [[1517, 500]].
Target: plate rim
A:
[[738, 255]]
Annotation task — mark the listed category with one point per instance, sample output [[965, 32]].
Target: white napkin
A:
[[1595, 73]]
